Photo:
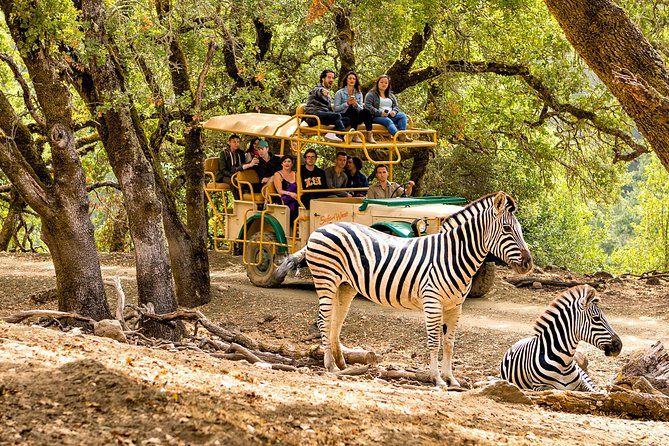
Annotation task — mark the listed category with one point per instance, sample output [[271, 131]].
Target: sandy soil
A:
[[64, 388]]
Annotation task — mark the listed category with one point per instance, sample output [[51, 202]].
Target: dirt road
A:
[[78, 389]]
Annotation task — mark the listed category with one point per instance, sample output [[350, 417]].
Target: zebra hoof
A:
[[452, 382], [440, 382], [329, 363]]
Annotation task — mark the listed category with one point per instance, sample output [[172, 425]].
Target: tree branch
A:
[[197, 100], [99, 184], [27, 99]]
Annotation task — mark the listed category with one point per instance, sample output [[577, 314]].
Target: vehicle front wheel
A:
[[260, 261], [483, 280]]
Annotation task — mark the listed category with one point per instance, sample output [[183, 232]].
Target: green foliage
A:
[[647, 247], [48, 24]]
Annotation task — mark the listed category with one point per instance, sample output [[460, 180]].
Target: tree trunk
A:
[[118, 231], [616, 50], [188, 244], [10, 225], [134, 172], [62, 204]]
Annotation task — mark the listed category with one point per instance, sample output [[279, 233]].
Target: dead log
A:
[[353, 370], [420, 376], [646, 367], [352, 356], [23, 315], [627, 404], [521, 282]]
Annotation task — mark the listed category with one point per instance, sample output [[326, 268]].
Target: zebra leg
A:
[[450, 323], [433, 321], [340, 309], [327, 296]]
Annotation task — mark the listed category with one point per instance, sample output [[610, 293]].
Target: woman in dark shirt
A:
[[355, 177]]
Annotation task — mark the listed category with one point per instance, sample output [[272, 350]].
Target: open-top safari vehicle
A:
[[257, 227]]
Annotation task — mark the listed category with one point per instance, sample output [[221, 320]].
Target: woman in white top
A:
[[383, 104], [348, 102]]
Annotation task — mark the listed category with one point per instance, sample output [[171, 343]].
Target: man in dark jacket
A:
[[268, 165], [319, 103], [232, 160]]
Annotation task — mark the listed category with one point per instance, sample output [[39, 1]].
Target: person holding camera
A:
[[381, 101], [319, 104], [348, 102]]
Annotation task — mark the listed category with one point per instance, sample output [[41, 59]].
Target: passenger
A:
[[313, 177], [268, 165], [285, 184], [252, 151], [335, 176], [348, 101], [355, 177], [319, 103], [231, 161], [381, 101], [385, 188]]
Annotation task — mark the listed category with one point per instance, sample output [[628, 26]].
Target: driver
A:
[[387, 189]]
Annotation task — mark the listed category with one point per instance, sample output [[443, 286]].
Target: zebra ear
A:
[[590, 296], [500, 202]]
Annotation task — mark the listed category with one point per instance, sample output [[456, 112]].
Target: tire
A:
[[483, 280], [262, 275]]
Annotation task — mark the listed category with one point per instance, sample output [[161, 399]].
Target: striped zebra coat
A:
[[546, 360], [432, 273]]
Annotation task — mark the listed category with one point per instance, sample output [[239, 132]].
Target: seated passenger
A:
[[319, 103], [252, 151], [285, 183], [387, 189], [336, 177], [268, 165], [381, 101], [232, 160], [355, 177], [313, 177], [348, 102]]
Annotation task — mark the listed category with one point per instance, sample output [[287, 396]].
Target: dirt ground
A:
[[65, 388]]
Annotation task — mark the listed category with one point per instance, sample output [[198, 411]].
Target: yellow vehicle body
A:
[[260, 230]]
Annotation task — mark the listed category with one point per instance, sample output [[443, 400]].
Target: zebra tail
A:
[[290, 263]]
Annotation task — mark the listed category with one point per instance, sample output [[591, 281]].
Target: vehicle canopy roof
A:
[[264, 125]]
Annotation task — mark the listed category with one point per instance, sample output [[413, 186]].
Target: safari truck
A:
[[258, 227]]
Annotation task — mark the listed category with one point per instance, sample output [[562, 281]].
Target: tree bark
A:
[[10, 225], [618, 52], [62, 204], [132, 168], [187, 244], [344, 39]]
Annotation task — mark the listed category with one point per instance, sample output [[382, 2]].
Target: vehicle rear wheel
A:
[[483, 280], [262, 274]]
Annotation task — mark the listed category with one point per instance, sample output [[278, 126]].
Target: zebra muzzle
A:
[[614, 348]]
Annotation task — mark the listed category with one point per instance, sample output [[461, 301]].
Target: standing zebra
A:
[[433, 273], [546, 360]]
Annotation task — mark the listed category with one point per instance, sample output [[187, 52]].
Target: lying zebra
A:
[[546, 360], [433, 273]]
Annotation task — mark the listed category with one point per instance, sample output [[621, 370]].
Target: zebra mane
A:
[[474, 208], [566, 299]]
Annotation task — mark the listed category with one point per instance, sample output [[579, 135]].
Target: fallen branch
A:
[[521, 282], [627, 404], [23, 315]]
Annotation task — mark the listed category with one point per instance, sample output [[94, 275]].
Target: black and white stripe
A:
[[432, 273], [546, 360]]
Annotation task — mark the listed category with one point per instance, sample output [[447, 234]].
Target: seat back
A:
[[211, 165], [300, 109]]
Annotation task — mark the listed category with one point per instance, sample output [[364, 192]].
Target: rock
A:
[[617, 280], [602, 275], [581, 360], [568, 277], [653, 281], [503, 392], [110, 328], [651, 364], [44, 296], [538, 270], [537, 285]]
